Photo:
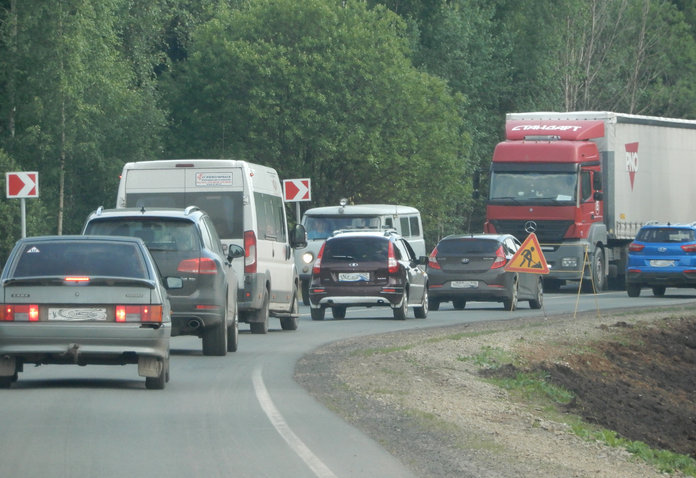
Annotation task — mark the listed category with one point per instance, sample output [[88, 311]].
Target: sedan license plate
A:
[[661, 263], [464, 284], [77, 314], [354, 276]]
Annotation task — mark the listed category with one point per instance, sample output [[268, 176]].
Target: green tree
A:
[[323, 90]]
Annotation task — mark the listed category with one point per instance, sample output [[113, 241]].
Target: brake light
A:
[[249, 252], [392, 264], [198, 265], [689, 247], [633, 247], [138, 313], [316, 268], [20, 313], [500, 259], [432, 260], [76, 279]]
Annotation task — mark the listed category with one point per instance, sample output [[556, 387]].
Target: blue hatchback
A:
[[661, 256]]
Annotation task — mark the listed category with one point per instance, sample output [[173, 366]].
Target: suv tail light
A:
[[392, 264], [633, 247], [199, 265], [249, 252], [432, 260], [500, 259], [19, 312], [316, 268], [689, 247], [138, 313]]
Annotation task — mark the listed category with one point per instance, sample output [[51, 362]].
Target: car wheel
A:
[[633, 290], [317, 314], [659, 290], [6, 381], [259, 322], [158, 382], [510, 303], [338, 312], [215, 340], [290, 323], [422, 311], [433, 304], [233, 333], [400, 312], [459, 304], [305, 292], [539, 301]]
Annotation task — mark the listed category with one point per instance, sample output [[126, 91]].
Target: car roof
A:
[[76, 237], [656, 225], [497, 237], [379, 233], [361, 210], [190, 212]]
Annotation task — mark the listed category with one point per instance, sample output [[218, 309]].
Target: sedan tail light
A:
[[634, 247], [138, 313], [500, 259], [198, 265], [432, 260], [249, 252], [392, 264], [19, 313], [689, 247], [316, 268]]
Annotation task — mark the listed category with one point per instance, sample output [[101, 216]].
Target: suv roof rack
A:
[[191, 209], [383, 232]]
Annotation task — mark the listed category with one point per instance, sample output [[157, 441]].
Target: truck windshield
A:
[[533, 186], [321, 227]]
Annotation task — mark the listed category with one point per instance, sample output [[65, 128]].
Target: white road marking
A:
[[281, 426]]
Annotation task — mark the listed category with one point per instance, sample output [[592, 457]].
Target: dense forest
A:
[[377, 101]]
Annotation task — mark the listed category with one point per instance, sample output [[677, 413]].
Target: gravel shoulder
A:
[[422, 394]]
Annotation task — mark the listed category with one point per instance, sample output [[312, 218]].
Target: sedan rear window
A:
[[665, 234], [356, 249], [80, 258], [468, 246]]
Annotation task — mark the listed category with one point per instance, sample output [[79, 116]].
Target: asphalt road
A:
[[240, 415]]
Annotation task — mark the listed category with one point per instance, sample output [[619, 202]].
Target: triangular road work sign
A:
[[528, 258]]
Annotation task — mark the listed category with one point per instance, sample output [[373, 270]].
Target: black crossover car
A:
[[360, 268], [184, 243], [465, 268]]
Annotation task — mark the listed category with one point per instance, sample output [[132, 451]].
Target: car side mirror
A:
[[234, 251], [598, 196], [298, 237], [173, 283]]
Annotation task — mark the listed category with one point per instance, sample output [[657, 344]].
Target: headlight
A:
[[569, 262], [307, 257]]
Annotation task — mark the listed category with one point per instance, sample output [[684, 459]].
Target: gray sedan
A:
[[84, 300]]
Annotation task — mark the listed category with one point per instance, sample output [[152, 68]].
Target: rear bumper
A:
[[365, 298], [483, 292], [667, 279]]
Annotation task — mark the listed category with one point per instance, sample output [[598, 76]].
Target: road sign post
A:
[[297, 190], [22, 185]]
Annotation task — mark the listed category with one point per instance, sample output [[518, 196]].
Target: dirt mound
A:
[[641, 384]]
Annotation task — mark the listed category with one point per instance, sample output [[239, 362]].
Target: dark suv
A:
[[184, 243], [359, 268], [661, 256]]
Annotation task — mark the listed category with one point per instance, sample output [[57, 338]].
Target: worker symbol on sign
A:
[[528, 258]]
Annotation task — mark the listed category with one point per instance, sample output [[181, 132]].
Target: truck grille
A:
[[548, 232]]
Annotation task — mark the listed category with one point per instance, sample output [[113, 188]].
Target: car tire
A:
[[338, 312], [422, 311], [510, 303], [633, 290], [215, 340], [158, 382], [305, 292], [433, 304], [259, 324], [318, 313], [400, 311], [539, 301], [6, 381], [233, 333], [459, 304], [290, 323], [659, 290]]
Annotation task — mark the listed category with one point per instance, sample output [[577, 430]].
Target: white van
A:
[[245, 202], [321, 222]]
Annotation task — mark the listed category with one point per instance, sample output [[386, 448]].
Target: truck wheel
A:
[[318, 313], [597, 271], [259, 321], [305, 292], [633, 290]]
